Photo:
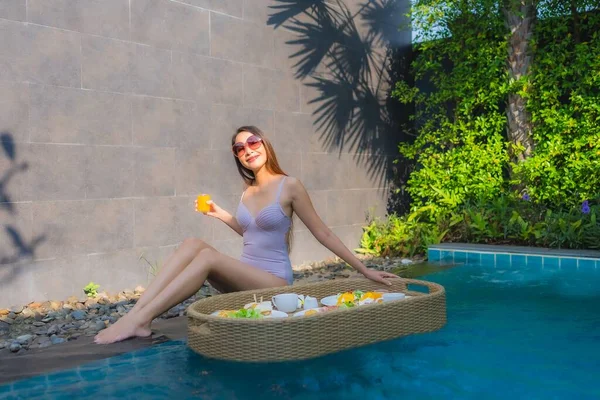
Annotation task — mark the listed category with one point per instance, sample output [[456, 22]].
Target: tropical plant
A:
[[502, 221], [91, 289]]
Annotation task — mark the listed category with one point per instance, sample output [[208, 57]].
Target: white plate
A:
[[393, 296], [301, 313], [332, 300], [277, 314], [329, 300], [216, 313], [265, 305]]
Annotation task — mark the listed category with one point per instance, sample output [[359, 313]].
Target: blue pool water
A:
[[527, 332]]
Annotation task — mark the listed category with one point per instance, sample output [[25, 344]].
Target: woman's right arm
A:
[[218, 213], [231, 221]]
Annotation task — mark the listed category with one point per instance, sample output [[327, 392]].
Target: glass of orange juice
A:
[[202, 205]]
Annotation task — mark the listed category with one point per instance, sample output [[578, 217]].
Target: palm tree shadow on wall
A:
[[350, 59], [22, 248]]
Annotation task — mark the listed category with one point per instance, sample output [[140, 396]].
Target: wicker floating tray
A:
[[297, 338]]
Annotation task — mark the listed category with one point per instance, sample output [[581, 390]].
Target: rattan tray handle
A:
[[203, 329], [430, 288]]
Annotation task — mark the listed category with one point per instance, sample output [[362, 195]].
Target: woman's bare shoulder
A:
[[245, 187], [294, 185], [291, 179]]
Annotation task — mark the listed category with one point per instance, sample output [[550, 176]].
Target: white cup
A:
[[393, 296], [287, 302], [310, 302]]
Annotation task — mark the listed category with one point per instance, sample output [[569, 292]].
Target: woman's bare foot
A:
[[124, 328]]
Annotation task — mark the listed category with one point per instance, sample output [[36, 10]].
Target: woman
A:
[[263, 218]]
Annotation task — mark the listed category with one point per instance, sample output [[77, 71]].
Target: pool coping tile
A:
[[513, 256], [489, 248]]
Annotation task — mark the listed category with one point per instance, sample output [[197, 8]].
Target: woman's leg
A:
[[208, 263], [176, 263], [182, 256]]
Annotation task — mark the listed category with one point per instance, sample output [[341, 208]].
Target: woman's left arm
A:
[[302, 206]]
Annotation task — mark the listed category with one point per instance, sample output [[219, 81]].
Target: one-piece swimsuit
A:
[[264, 237]]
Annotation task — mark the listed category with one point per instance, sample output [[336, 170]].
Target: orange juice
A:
[[202, 206]]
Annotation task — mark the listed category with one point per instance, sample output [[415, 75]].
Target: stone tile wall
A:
[[114, 114]]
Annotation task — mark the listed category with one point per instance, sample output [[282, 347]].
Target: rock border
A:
[[42, 324]]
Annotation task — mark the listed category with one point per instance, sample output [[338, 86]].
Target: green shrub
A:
[[564, 102], [460, 92], [504, 220], [464, 186]]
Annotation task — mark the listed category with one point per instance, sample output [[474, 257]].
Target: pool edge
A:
[[513, 255]]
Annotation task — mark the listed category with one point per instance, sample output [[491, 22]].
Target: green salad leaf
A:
[[358, 294], [247, 313]]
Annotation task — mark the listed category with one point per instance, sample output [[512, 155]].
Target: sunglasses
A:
[[239, 148]]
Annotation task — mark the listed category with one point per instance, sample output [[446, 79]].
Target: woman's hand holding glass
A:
[[206, 206]]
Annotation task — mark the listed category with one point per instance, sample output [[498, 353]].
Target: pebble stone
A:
[[14, 347], [42, 324]]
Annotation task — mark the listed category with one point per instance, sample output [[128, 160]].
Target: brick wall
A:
[[114, 114]]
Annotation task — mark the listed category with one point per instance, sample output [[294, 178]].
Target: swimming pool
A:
[[526, 332]]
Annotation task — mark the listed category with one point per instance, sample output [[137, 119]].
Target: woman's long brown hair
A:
[[272, 166]]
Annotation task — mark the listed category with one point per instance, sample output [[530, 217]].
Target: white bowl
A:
[[330, 300]]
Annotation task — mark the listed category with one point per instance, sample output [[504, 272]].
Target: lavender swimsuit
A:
[[265, 246]]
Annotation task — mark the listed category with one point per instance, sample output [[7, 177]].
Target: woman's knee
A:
[[207, 257], [194, 244]]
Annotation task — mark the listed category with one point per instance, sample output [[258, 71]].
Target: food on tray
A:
[[259, 305], [372, 295], [358, 297], [312, 311], [346, 298], [246, 313], [224, 313], [254, 310], [249, 313], [262, 306]]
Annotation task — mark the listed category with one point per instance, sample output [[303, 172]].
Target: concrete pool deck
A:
[[81, 351]]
